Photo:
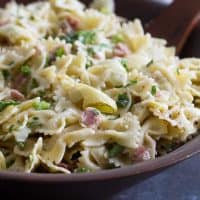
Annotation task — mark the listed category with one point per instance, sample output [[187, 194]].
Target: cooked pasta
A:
[[82, 89]]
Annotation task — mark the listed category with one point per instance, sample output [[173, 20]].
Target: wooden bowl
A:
[[104, 184]]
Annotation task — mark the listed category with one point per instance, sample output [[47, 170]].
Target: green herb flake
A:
[[26, 70], [153, 90], [43, 105], [117, 38], [124, 62], [82, 170], [86, 37], [149, 63], [115, 150], [21, 145], [122, 100], [133, 82], [4, 104], [60, 52]]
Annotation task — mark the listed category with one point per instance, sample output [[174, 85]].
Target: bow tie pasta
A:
[[82, 89]]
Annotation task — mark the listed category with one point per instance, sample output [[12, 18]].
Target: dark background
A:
[[180, 182]]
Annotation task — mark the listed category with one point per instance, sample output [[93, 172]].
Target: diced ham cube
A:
[[121, 50], [74, 23], [141, 154], [91, 118]]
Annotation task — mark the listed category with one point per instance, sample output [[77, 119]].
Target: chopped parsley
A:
[[149, 63], [82, 170], [153, 90], [25, 70], [60, 52], [4, 104], [86, 37], [115, 150], [125, 64], [122, 100], [43, 105]]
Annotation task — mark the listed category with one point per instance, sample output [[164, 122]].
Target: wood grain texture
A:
[[176, 23]]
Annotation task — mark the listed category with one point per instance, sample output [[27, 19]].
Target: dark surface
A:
[[180, 182]]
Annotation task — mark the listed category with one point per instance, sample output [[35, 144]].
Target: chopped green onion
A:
[[26, 70], [82, 170], [133, 82], [153, 90], [43, 105], [122, 100], [149, 63], [4, 104], [60, 52], [115, 150], [86, 37], [117, 38]]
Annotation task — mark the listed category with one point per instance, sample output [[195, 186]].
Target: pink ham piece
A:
[[141, 154], [74, 23], [91, 118], [16, 95], [2, 23], [121, 50]]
